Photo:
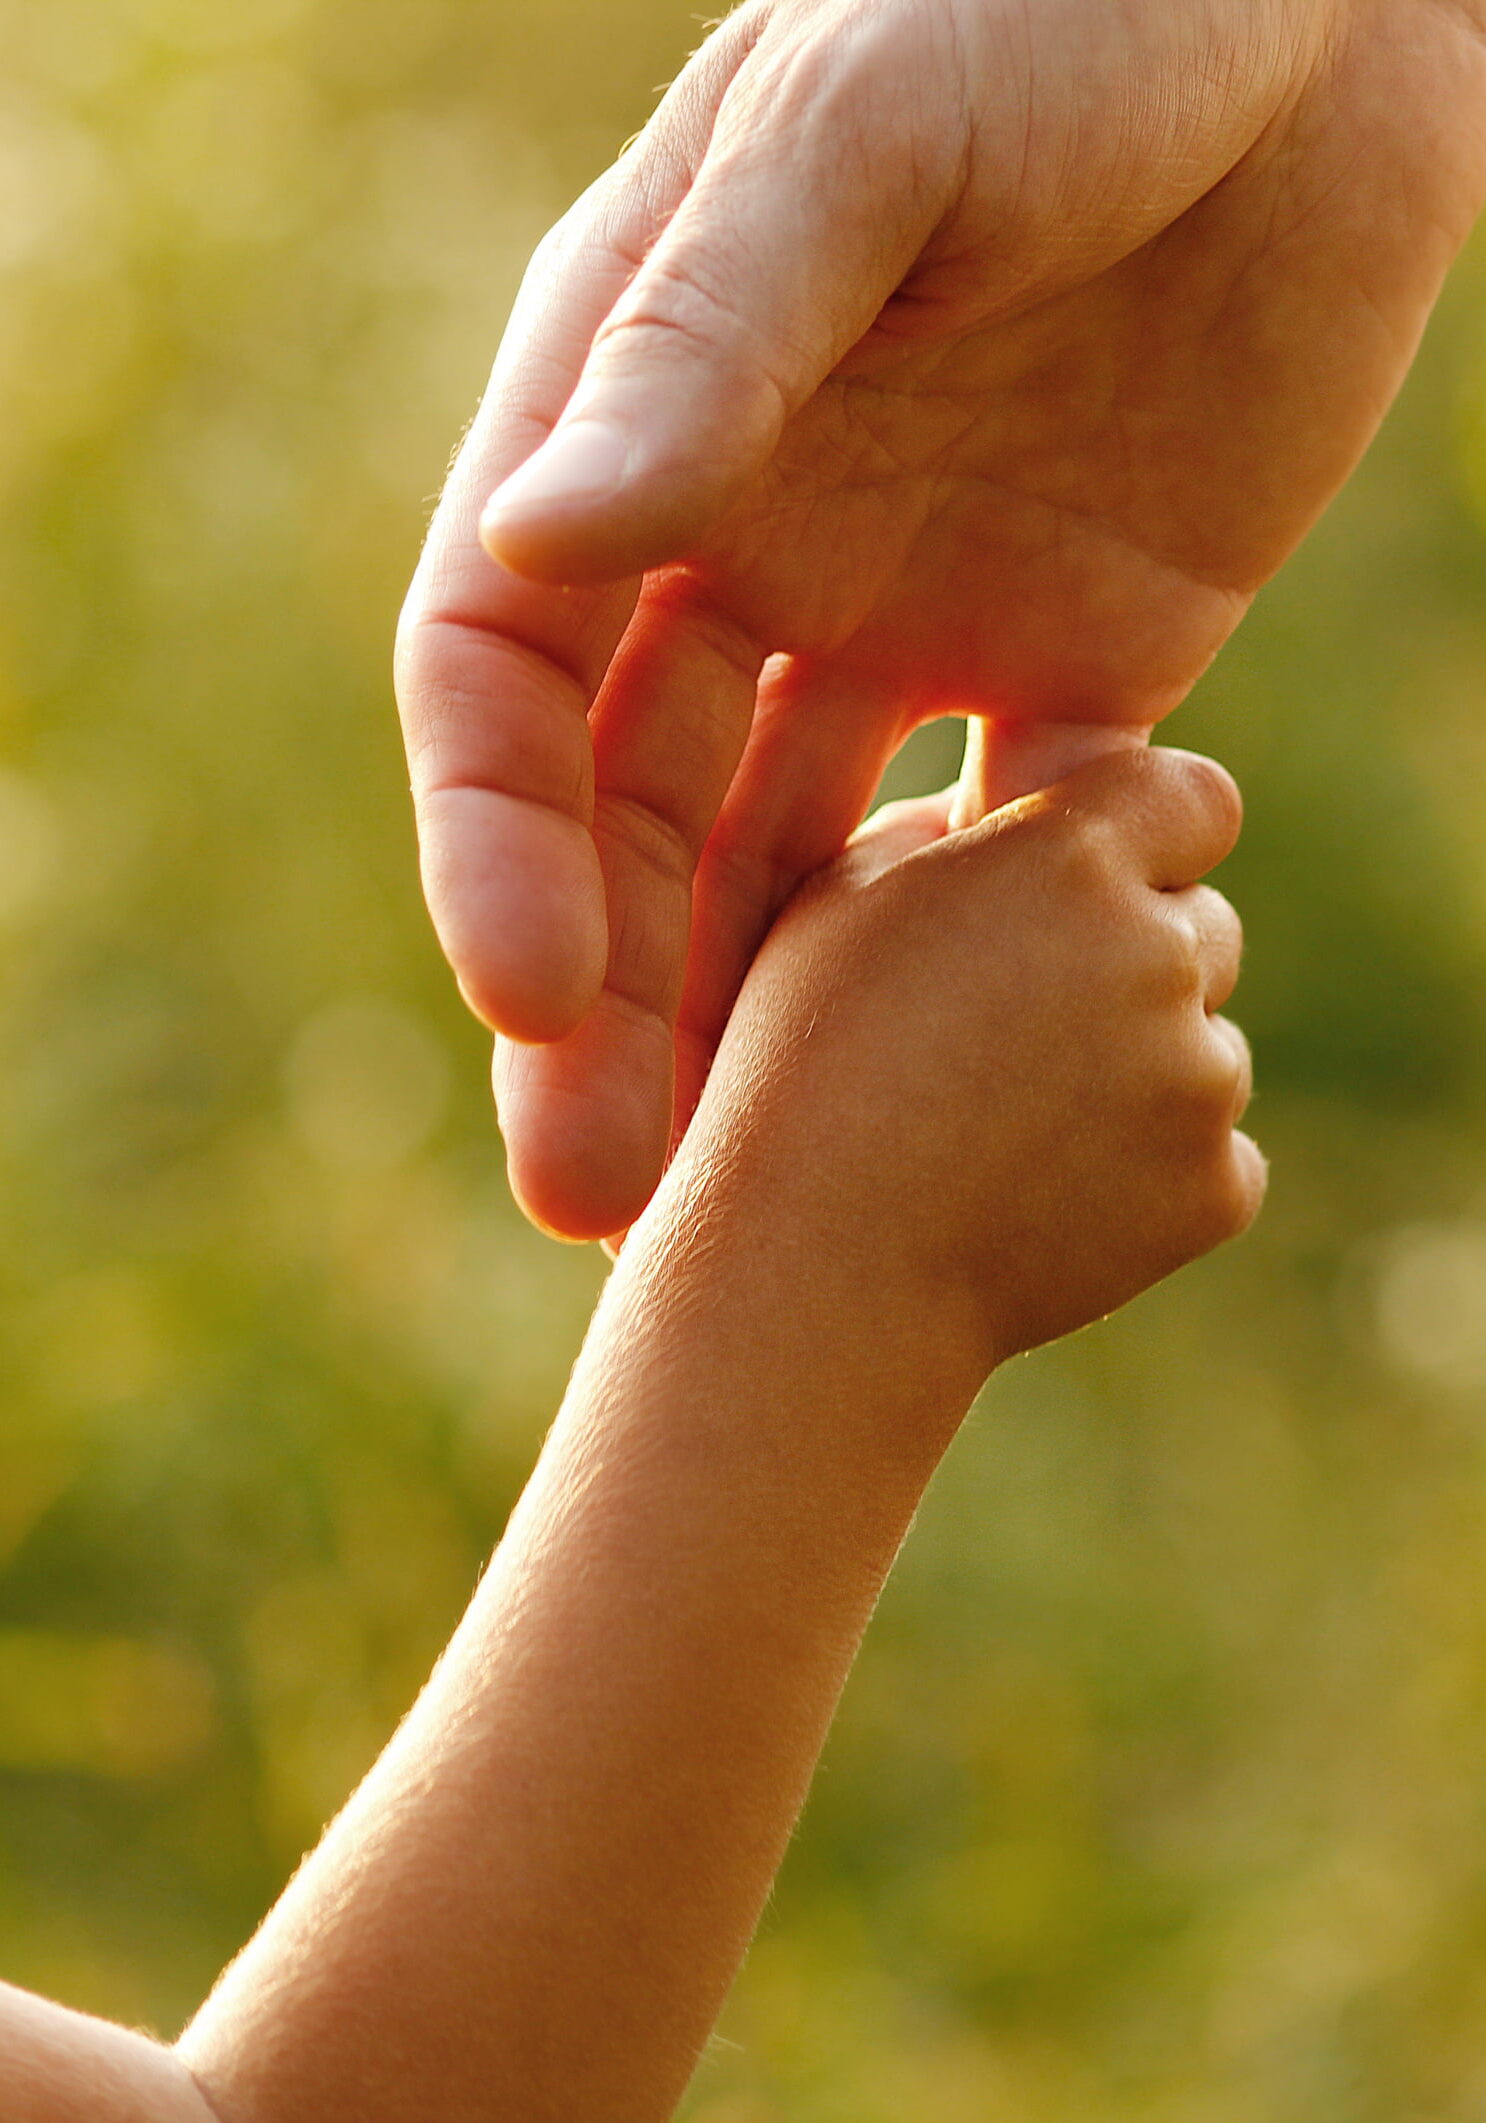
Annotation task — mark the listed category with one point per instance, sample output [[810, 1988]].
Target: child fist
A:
[[984, 1072]]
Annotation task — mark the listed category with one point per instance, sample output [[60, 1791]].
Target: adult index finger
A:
[[495, 675]]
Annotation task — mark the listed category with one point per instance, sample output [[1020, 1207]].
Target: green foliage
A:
[[1157, 1794]]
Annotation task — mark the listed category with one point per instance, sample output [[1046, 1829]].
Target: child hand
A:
[[983, 1070]]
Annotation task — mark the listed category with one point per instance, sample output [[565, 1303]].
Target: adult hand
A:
[[922, 356]]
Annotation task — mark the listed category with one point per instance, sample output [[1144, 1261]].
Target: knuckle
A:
[[1233, 1067], [1241, 1085], [682, 299], [423, 667], [1223, 1191], [1235, 1044], [1208, 1087], [667, 301], [1169, 779], [1081, 848], [1180, 955], [553, 247], [1219, 912], [1202, 785], [570, 241], [1224, 1210], [679, 309], [791, 82], [1236, 1190]]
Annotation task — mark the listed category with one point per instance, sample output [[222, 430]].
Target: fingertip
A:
[[541, 521], [587, 1123], [1212, 786], [528, 995], [641, 479], [567, 552], [578, 1206], [585, 543], [1237, 1058], [516, 1008], [582, 461], [1179, 813], [1119, 766]]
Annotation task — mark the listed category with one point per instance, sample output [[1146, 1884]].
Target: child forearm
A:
[[977, 1092], [537, 1901]]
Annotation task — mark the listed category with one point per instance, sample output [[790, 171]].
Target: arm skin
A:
[[535, 1905], [958, 356], [595, 1792], [975, 1094]]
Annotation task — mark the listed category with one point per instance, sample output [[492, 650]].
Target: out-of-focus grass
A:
[[1157, 1796]]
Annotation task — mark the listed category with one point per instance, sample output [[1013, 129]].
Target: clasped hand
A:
[[922, 356]]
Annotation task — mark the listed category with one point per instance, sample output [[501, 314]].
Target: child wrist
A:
[[843, 1305]]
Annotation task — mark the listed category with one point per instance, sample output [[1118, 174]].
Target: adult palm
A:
[[923, 356]]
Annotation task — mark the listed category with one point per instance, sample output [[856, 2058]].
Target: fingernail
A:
[[582, 462]]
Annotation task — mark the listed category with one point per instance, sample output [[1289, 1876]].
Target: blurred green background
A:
[[1160, 1794]]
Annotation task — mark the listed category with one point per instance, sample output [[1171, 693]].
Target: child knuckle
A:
[[1201, 785], [1235, 1195], [1241, 1069], [1083, 851], [1210, 910], [1205, 1090], [1178, 948], [1213, 1205]]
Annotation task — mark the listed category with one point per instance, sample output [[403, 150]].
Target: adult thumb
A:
[[804, 217]]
